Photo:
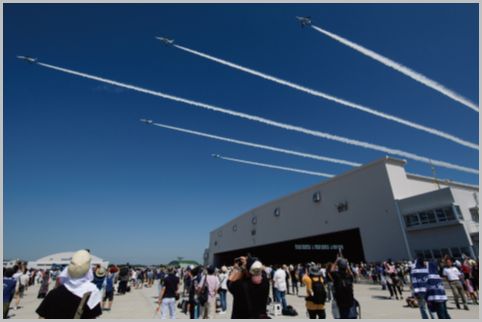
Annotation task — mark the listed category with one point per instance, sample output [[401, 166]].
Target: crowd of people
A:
[[258, 291]]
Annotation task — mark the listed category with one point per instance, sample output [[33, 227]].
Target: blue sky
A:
[[80, 170]]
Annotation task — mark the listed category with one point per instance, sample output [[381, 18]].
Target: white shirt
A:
[[223, 279], [323, 272], [17, 275], [452, 273], [24, 279], [279, 280]]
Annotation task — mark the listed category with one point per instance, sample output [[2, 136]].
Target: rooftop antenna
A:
[[434, 175]]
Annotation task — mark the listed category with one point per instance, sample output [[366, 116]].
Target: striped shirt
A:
[[419, 276], [435, 286]]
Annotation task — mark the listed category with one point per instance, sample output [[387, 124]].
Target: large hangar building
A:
[[370, 213]]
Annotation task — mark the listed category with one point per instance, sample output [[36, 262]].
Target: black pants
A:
[[294, 285], [345, 313], [320, 314], [122, 289]]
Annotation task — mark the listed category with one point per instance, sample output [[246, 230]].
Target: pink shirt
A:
[[213, 285]]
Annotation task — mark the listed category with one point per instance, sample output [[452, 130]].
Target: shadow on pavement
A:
[[379, 297]]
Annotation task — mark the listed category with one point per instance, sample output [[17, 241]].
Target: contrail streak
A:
[[272, 166], [259, 119], [402, 69], [259, 146], [341, 101]]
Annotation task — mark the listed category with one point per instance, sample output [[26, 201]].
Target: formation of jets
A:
[[27, 58], [304, 21], [166, 41]]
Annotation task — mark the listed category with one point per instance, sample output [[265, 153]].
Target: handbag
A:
[[203, 295], [80, 308]]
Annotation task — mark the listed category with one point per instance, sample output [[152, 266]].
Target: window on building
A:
[[449, 212], [455, 252], [423, 217], [411, 220], [465, 250], [441, 217], [474, 213], [317, 197], [431, 217], [427, 254], [437, 253], [445, 251], [458, 212]]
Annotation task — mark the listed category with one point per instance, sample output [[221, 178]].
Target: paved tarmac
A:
[[140, 304]]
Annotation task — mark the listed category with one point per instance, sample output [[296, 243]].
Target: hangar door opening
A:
[[320, 248]]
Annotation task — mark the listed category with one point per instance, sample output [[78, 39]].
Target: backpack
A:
[[319, 291], [289, 311]]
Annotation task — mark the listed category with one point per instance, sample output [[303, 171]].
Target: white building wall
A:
[[371, 208], [466, 200], [440, 235], [372, 192]]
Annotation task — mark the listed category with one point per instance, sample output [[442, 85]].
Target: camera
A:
[[238, 261]]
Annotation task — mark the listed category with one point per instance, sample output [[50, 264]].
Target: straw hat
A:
[[79, 264]]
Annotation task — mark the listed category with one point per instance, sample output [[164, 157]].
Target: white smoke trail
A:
[[402, 69], [313, 92], [272, 166], [259, 146], [258, 119]]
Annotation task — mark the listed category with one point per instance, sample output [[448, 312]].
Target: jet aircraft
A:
[[146, 121], [166, 41], [305, 21], [29, 59]]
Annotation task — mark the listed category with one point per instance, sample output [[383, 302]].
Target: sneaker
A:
[[458, 305], [222, 312], [466, 307]]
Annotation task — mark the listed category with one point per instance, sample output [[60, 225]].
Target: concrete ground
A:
[[140, 304]]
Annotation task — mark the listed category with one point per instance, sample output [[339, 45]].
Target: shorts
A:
[[109, 296]]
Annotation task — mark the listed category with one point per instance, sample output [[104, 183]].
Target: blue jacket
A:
[[435, 286], [9, 284]]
